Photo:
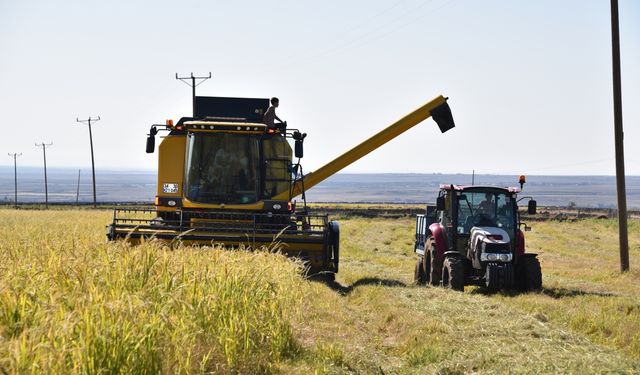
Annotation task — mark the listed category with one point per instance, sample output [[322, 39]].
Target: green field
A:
[[72, 303]]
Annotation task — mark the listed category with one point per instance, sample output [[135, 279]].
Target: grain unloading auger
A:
[[226, 178]]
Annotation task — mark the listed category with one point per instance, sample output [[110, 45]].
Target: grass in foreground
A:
[[71, 303]]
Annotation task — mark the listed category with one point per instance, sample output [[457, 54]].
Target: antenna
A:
[[15, 176], [46, 189], [193, 86], [93, 167]]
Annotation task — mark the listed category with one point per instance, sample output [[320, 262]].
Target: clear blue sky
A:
[[529, 81]]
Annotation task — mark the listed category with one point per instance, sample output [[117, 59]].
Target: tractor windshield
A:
[[222, 168], [486, 209]]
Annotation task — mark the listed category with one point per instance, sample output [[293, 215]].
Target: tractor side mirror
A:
[[299, 150], [440, 204], [151, 144], [531, 209]]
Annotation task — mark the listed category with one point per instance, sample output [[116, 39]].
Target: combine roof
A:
[[510, 189]]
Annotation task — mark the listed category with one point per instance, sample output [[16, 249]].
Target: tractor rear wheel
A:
[[453, 273], [419, 275], [530, 277]]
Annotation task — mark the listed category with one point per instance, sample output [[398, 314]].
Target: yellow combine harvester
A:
[[226, 178]]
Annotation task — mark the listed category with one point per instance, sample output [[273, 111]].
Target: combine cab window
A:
[[277, 157], [221, 168], [485, 209]]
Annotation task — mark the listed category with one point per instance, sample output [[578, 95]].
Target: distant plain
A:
[[140, 186]]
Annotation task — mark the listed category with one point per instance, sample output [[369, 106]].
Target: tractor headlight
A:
[[494, 257]]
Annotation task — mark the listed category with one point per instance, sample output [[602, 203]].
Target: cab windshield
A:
[[221, 168], [485, 209]]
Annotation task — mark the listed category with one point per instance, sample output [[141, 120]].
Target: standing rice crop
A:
[[72, 303]]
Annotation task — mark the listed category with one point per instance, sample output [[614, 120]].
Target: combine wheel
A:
[[453, 274], [530, 275]]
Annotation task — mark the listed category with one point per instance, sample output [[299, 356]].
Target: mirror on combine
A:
[[151, 144], [151, 139], [531, 209], [440, 206], [298, 149]]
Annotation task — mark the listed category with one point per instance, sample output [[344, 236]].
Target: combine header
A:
[[226, 178]]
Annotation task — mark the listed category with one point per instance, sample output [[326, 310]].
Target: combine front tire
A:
[[530, 277], [453, 273]]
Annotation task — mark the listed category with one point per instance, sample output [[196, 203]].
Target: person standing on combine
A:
[[270, 116]]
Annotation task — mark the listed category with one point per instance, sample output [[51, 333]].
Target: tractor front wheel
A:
[[530, 277], [453, 273]]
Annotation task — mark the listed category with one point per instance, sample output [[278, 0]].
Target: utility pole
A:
[[78, 190], [93, 166], [15, 176], [193, 86], [46, 188], [619, 138]]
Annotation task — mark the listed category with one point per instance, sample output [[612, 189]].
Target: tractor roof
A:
[[510, 189]]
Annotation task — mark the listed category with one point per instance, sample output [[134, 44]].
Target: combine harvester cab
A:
[[473, 236], [225, 178]]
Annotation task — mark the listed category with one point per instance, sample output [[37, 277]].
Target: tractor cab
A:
[[466, 207], [478, 230]]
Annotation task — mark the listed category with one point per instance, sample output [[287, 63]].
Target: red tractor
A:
[[473, 237]]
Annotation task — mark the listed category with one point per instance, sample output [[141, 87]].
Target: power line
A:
[[15, 176], [46, 189], [193, 86], [93, 167]]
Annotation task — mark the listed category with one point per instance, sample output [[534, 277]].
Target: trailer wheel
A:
[[453, 274], [530, 277], [419, 275], [433, 264]]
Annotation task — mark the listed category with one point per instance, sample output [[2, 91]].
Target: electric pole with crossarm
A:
[[46, 187], [15, 176], [193, 86], [93, 167]]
